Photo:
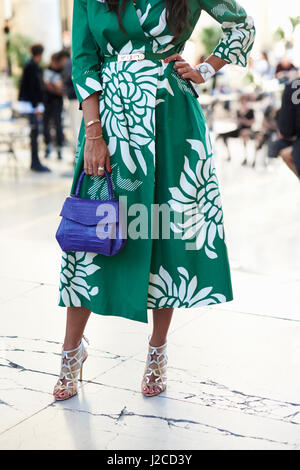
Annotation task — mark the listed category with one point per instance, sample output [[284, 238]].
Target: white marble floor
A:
[[234, 369]]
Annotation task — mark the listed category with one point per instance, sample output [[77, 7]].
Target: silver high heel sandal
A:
[[71, 367], [156, 366]]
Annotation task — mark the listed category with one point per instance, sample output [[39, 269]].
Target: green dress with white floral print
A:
[[161, 157]]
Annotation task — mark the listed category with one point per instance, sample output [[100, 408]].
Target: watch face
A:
[[207, 71]]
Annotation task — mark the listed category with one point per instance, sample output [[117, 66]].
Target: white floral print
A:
[[221, 9], [76, 268], [165, 292], [132, 85], [237, 42], [127, 107], [158, 33], [198, 200], [99, 189]]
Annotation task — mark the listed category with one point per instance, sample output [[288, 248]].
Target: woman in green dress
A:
[[143, 123]]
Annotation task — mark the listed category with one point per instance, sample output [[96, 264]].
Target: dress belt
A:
[[146, 55], [137, 56]]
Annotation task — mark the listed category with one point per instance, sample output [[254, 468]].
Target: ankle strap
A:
[[79, 346], [158, 347]]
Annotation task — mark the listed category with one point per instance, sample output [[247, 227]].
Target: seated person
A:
[[245, 121], [288, 119], [285, 70], [267, 131]]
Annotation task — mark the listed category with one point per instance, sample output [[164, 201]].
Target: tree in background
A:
[[209, 37], [18, 53]]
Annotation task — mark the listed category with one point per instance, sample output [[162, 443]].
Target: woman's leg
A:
[[153, 382], [227, 135], [161, 322], [245, 135], [57, 116], [287, 156], [66, 386], [46, 125], [77, 318]]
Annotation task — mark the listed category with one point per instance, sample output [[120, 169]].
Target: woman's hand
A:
[[184, 69], [96, 153]]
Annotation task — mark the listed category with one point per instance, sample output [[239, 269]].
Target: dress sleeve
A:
[[86, 59], [238, 30]]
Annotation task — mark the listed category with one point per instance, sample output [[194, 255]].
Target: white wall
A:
[[40, 20]]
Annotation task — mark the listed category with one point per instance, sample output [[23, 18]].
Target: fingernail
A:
[[110, 170], [166, 60]]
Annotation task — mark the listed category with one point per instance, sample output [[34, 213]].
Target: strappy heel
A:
[[156, 366], [71, 368]]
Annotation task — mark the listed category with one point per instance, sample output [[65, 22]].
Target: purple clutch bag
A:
[[92, 226]]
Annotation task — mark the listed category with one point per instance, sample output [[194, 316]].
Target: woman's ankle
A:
[[70, 343], [157, 341]]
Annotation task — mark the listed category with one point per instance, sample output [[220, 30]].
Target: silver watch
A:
[[207, 71]]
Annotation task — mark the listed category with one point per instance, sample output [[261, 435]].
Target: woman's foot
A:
[[71, 369], [155, 376]]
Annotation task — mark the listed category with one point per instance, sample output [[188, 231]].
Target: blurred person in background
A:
[[31, 101], [6, 31], [245, 120], [288, 119], [284, 69], [267, 130], [74, 112], [263, 67], [53, 100]]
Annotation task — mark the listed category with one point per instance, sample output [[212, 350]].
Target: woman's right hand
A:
[[96, 153]]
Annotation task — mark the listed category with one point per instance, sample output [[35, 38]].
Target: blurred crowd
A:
[[272, 125], [41, 100]]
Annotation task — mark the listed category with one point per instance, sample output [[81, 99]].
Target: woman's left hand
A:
[[184, 69]]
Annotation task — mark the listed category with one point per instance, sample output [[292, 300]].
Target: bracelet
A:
[[94, 138], [90, 123], [207, 71]]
